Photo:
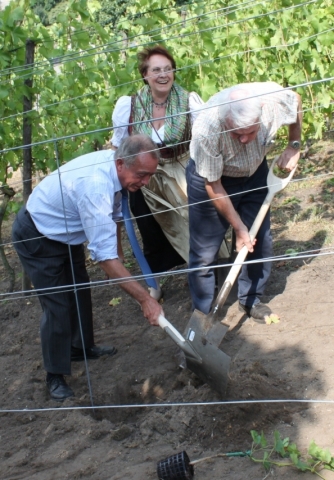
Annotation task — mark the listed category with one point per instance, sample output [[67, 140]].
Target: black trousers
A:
[[48, 265], [159, 253]]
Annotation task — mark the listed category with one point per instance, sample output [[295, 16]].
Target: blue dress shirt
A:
[[81, 201]]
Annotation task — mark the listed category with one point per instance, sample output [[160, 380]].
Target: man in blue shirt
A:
[[80, 202]]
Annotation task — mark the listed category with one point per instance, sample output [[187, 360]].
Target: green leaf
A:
[[319, 453], [325, 98], [209, 45], [255, 436], [291, 252], [259, 439], [3, 92], [255, 42], [299, 463], [314, 22], [16, 15], [209, 88], [279, 445], [62, 18], [115, 301]]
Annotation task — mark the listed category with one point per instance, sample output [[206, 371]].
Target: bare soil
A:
[[290, 360]]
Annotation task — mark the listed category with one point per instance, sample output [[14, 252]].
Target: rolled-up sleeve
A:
[[206, 145]]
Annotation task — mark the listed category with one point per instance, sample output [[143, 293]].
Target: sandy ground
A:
[[290, 360]]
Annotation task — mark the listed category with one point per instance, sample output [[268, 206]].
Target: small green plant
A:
[[129, 259], [163, 281], [330, 182], [13, 207], [291, 201], [292, 252], [306, 167], [280, 172], [315, 460]]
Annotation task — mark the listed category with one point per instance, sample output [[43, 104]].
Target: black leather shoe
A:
[[258, 312], [92, 353], [58, 388]]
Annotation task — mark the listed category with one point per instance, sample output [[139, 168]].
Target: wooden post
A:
[[27, 138]]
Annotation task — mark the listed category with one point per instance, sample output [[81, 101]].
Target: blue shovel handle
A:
[[144, 266]]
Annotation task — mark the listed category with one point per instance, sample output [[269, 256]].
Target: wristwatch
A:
[[295, 144]]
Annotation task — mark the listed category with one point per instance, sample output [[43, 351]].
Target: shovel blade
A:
[[201, 357], [215, 364], [206, 326]]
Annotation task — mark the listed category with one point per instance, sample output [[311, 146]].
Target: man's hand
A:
[[288, 159], [151, 310], [225, 208], [243, 239]]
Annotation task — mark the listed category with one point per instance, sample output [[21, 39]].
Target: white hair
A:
[[241, 108]]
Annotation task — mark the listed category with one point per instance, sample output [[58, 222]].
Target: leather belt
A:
[[167, 152], [170, 152]]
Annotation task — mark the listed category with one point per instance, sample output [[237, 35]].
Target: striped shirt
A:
[[216, 153], [81, 202]]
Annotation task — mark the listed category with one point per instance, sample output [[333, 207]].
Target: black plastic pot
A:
[[176, 467]]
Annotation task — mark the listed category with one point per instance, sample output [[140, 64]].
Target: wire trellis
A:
[[301, 255]]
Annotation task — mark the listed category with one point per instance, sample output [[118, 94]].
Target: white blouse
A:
[[121, 115]]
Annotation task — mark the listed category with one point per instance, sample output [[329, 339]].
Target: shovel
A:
[[144, 266], [204, 359], [208, 326]]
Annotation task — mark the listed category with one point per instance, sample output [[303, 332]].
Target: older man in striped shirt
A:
[[228, 166]]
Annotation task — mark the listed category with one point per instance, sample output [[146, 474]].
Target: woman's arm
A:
[[120, 121], [195, 105]]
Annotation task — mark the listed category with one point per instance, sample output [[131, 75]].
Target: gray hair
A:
[[245, 109], [132, 146]]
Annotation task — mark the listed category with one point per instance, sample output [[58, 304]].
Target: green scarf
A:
[[177, 102]]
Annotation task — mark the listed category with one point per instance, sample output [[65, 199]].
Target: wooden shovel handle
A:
[[164, 323], [275, 184]]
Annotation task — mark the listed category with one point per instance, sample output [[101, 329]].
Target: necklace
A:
[[159, 105]]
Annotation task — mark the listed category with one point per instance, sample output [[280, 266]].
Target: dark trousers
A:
[[159, 253], [208, 229], [48, 265]]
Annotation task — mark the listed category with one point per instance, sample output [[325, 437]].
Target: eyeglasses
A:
[[160, 70]]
